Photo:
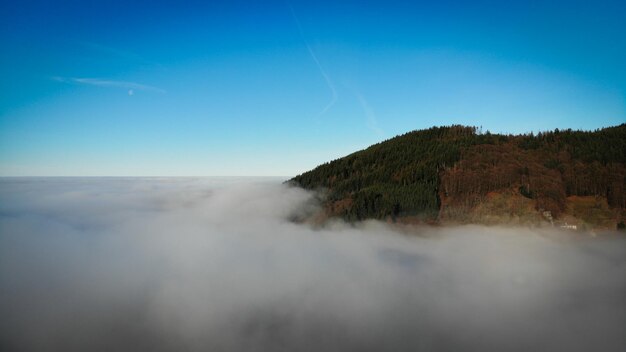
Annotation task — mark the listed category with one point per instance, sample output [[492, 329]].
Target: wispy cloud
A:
[[327, 79], [130, 86]]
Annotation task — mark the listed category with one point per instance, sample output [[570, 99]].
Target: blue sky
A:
[[276, 88]]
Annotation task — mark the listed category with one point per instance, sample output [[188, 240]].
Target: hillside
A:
[[458, 174]]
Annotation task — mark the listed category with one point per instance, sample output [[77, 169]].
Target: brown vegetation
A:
[[459, 174]]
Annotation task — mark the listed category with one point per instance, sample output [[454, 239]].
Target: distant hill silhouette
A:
[[459, 174]]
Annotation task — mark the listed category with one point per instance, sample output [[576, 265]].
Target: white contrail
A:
[[109, 83], [329, 82], [371, 122]]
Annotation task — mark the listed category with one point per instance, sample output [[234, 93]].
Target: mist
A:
[[171, 264]]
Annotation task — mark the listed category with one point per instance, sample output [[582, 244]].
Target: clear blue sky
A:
[[275, 88]]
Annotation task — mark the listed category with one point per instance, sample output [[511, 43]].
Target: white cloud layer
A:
[[215, 264]]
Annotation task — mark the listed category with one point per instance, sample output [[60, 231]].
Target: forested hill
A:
[[456, 173]]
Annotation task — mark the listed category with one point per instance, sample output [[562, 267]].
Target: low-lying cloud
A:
[[215, 264]]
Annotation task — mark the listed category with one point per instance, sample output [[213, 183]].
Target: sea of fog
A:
[[215, 264]]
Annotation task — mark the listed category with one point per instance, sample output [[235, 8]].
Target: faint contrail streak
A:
[[108, 83], [329, 82], [372, 122]]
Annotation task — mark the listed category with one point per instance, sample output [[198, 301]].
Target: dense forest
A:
[[424, 174]]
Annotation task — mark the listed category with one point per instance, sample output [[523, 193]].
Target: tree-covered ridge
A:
[[418, 172], [396, 177]]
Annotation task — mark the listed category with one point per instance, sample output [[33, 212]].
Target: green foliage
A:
[[402, 176], [607, 145], [397, 177]]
